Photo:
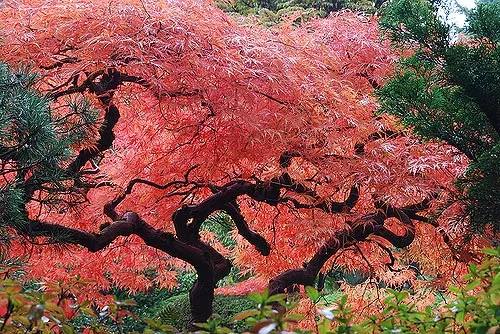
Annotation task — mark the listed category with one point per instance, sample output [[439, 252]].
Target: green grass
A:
[[176, 312]]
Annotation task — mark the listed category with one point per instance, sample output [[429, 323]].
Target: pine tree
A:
[[35, 146], [448, 89]]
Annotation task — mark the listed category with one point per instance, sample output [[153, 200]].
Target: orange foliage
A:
[[230, 99]]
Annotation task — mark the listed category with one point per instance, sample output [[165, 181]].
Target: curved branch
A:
[[360, 230], [75, 88], [285, 159], [399, 241], [391, 256], [60, 63], [130, 224], [145, 83], [327, 205], [104, 91], [245, 231], [305, 276], [109, 208], [209, 264]]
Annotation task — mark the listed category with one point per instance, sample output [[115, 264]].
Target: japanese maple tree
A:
[[164, 113]]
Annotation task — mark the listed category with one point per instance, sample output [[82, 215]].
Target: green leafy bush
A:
[[475, 309]]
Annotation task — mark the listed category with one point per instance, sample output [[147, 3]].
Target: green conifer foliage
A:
[[449, 89], [36, 143]]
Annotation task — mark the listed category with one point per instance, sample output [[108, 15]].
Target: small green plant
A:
[[46, 310], [271, 314], [475, 309]]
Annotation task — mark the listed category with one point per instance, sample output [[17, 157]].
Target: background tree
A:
[[449, 89], [271, 12], [198, 115]]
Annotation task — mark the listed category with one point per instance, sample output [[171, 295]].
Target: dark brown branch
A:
[[72, 79], [104, 91], [399, 241], [201, 296], [60, 63], [371, 80], [360, 230], [390, 211], [201, 211], [205, 208], [109, 208], [327, 205], [209, 264], [390, 265], [286, 158], [130, 224], [287, 182], [75, 88], [145, 83], [386, 133], [272, 98], [423, 205], [305, 276], [245, 231]]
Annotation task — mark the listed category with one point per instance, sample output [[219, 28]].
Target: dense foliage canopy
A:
[[163, 114]]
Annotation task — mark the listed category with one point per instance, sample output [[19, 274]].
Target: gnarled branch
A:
[[360, 230]]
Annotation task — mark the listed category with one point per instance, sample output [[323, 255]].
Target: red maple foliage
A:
[[275, 127]]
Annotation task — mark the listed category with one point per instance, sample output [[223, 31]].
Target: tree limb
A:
[[360, 230]]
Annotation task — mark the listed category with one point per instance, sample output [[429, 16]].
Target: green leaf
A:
[[16, 301], [496, 280], [276, 298], [257, 298], [312, 293], [202, 325], [472, 284], [323, 326], [88, 311], [245, 314], [401, 296], [67, 329], [22, 319], [490, 251], [460, 317]]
